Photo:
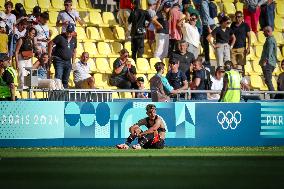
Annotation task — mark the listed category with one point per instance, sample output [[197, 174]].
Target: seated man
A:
[[153, 138], [82, 76]]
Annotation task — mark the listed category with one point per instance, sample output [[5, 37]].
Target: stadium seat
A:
[[274, 82], [57, 4], [153, 61], [44, 4], [71, 83], [52, 18], [142, 65], [93, 34], [93, 67], [82, 4], [280, 9], [251, 55], [106, 34], [212, 53], [102, 65], [54, 32], [91, 48], [277, 70], [279, 38], [104, 49], [279, 23], [166, 62], [108, 18], [115, 95], [96, 19], [30, 4], [253, 38], [119, 33], [256, 82], [144, 4], [257, 68], [16, 1], [229, 8], [258, 51], [239, 6], [248, 68], [147, 50], [279, 54], [116, 47], [81, 34], [261, 38], [85, 16], [101, 80], [127, 46], [79, 50], [125, 95]]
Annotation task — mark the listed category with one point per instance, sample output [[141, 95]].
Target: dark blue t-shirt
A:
[[199, 74], [163, 20], [176, 79], [63, 49], [240, 33]]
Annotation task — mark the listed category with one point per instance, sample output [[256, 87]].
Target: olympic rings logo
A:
[[229, 119]]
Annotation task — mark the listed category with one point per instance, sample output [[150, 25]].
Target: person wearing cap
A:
[[140, 86], [10, 18], [159, 85], [217, 83], [68, 16], [231, 91], [280, 82], [43, 33], [3, 39], [188, 8], [36, 13], [176, 77], [223, 35], [161, 22], [64, 54], [7, 80], [153, 137]]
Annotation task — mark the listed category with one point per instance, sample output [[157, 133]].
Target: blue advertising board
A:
[[106, 124]]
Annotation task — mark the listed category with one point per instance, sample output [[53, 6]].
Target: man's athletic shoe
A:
[[122, 146], [137, 147]]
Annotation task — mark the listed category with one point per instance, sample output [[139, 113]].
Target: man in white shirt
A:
[[43, 36], [10, 18], [82, 76], [67, 16], [191, 34], [217, 83]]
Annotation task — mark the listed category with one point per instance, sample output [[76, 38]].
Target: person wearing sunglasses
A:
[[242, 32], [68, 16], [153, 137]]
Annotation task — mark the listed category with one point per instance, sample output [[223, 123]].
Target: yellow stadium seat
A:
[[279, 23], [144, 4], [102, 65], [57, 4], [52, 18], [104, 49], [106, 34], [277, 70], [142, 65], [251, 55], [153, 61], [85, 16], [127, 46], [253, 38], [212, 54], [71, 83], [54, 32], [261, 38], [119, 33], [81, 34], [279, 54], [248, 68], [92, 64], [115, 95], [30, 4], [229, 8], [44, 4], [116, 47], [166, 62], [96, 19], [108, 18], [82, 4], [79, 50], [280, 9], [101, 80], [239, 6], [274, 82], [125, 95], [256, 82], [91, 48], [279, 38], [93, 34], [257, 68], [147, 51], [258, 51], [16, 1]]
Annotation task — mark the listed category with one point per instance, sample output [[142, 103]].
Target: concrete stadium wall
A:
[[35, 123]]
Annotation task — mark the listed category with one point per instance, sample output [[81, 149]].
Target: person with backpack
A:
[[208, 11]]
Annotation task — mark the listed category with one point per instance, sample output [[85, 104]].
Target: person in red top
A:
[[125, 8]]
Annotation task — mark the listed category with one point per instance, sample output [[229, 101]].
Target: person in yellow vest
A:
[[231, 91], [7, 80]]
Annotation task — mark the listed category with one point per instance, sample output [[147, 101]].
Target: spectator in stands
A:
[[198, 80], [244, 81], [161, 21], [176, 77], [19, 11], [242, 32], [184, 57], [64, 54], [267, 14], [23, 54], [140, 86], [125, 8], [35, 14], [68, 16], [268, 58], [3, 39], [44, 81], [137, 18], [3, 19], [189, 8], [82, 77], [190, 34], [10, 18], [159, 85], [208, 24], [43, 35], [174, 29], [251, 12], [280, 82], [7, 80], [123, 75], [223, 35], [231, 91], [152, 6], [217, 82]]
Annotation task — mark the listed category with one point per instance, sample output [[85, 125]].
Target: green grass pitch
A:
[[195, 167]]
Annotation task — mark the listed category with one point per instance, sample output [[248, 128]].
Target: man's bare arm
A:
[[154, 128]]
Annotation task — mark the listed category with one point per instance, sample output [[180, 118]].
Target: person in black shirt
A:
[[241, 31], [223, 35], [198, 81], [184, 57], [64, 52], [137, 18]]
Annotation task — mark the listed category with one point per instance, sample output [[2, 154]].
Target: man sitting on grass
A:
[[153, 138]]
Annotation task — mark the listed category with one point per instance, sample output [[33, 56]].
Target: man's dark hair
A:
[[67, 1], [123, 51], [238, 12], [159, 66], [150, 106], [228, 65], [224, 19], [23, 21], [181, 41], [44, 15], [9, 3], [194, 14]]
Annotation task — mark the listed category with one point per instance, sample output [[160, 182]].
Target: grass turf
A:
[[235, 167]]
